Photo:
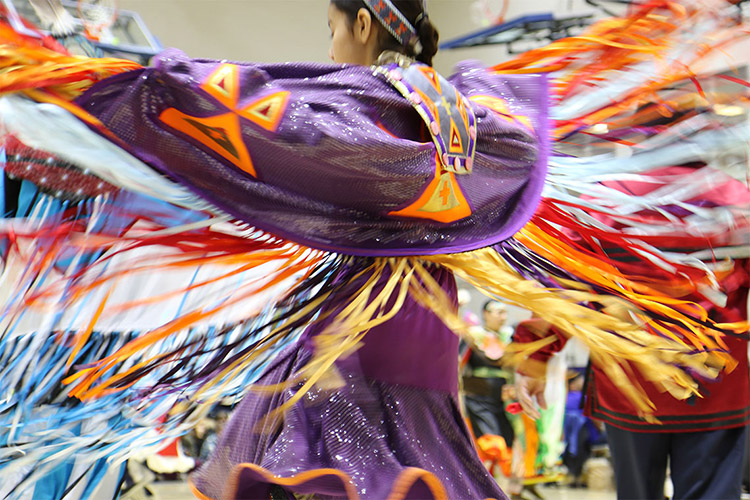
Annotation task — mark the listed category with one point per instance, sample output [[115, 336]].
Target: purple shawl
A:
[[324, 155]]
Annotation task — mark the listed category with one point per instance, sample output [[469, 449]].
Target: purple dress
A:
[[393, 431], [363, 162]]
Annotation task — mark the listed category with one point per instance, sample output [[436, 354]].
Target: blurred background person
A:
[[483, 379]]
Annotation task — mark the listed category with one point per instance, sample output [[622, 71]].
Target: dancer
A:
[[297, 227], [483, 380], [379, 435]]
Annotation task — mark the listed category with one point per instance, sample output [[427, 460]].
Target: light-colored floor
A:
[[551, 493], [180, 491]]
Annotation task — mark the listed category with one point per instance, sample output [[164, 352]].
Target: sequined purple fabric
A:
[[335, 150], [369, 429], [398, 409]]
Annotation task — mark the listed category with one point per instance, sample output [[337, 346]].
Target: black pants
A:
[[575, 462], [487, 416], [703, 465]]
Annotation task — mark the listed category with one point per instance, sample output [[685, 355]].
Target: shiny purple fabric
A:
[[397, 409], [329, 175], [389, 351]]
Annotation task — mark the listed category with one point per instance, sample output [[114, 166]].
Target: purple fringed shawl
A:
[[322, 154]]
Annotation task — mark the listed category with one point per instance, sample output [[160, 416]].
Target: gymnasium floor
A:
[[180, 491]]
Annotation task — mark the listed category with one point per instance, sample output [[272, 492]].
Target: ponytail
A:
[[428, 39]]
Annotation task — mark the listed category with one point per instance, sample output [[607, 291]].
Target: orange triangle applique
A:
[[501, 107], [432, 76], [219, 133], [525, 121], [455, 146], [441, 201], [443, 198], [224, 85], [267, 111], [494, 103]]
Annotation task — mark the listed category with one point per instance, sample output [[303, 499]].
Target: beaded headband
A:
[[393, 21]]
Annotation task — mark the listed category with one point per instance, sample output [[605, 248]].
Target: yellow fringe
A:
[[344, 335], [632, 347], [655, 357]]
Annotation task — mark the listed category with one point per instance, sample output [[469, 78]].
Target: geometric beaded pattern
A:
[[448, 115]]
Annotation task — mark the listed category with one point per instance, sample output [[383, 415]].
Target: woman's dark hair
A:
[[412, 10], [487, 304]]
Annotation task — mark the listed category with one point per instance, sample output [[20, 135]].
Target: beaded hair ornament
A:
[[394, 21]]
